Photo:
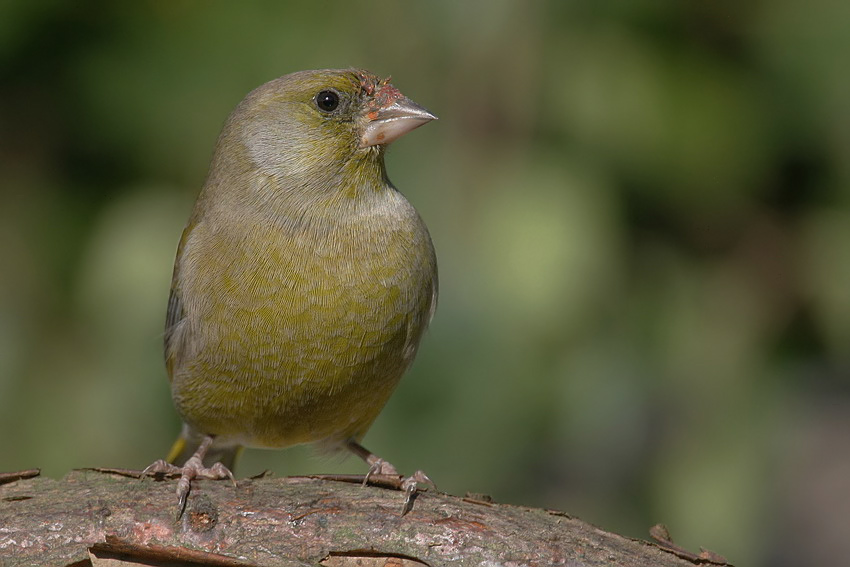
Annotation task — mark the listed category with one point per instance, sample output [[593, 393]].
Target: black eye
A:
[[327, 101]]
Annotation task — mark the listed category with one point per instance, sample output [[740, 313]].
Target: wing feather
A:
[[175, 331]]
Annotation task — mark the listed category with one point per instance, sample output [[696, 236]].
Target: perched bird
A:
[[304, 280]]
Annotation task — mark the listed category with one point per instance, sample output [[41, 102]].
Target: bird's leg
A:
[[192, 469], [378, 466]]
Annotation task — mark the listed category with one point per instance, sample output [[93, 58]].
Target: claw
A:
[[182, 498], [412, 486], [220, 472], [409, 496]]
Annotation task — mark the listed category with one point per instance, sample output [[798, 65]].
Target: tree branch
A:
[[92, 518]]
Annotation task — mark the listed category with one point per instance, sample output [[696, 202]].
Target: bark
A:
[[103, 519]]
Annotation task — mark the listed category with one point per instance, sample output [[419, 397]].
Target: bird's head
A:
[[313, 128]]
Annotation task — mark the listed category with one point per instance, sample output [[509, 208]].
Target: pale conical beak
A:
[[392, 121]]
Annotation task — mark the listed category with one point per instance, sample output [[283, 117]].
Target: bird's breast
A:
[[300, 334]]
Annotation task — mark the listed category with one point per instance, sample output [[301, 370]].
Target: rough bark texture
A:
[[99, 519]]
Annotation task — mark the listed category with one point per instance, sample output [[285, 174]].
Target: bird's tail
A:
[[187, 443]]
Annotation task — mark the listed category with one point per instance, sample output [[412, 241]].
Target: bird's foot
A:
[[192, 469], [411, 485]]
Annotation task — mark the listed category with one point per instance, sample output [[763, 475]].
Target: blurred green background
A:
[[641, 211]]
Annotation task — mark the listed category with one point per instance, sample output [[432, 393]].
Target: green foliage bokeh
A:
[[641, 212]]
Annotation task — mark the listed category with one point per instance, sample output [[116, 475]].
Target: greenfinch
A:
[[303, 281]]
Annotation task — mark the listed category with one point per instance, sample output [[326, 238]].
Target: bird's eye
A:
[[327, 101]]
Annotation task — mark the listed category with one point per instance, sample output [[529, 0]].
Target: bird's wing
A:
[[174, 331]]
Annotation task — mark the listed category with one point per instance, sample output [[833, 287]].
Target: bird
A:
[[303, 281]]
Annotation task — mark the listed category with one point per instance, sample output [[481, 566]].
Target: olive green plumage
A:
[[304, 280]]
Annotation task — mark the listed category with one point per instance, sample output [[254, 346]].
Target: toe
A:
[[382, 468], [161, 467], [421, 480]]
